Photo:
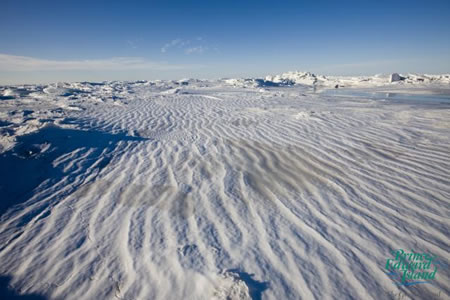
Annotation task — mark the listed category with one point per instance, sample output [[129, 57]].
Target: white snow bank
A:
[[310, 79]]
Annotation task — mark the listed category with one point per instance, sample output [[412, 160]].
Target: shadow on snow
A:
[[32, 161], [9, 294]]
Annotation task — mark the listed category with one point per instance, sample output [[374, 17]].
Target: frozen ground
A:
[[229, 189]]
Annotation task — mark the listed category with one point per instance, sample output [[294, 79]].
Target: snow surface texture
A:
[[228, 189]]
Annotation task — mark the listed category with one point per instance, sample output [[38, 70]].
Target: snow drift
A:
[[228, 189]]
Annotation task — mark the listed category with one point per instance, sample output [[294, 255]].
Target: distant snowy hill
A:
[[296, 77], [310, 79]]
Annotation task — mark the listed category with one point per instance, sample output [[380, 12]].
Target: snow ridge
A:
[[207, 189]]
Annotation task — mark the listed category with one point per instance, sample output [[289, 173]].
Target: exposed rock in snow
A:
[[395, 77]]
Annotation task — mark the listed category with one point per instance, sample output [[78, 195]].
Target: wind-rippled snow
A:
[[202, 190]]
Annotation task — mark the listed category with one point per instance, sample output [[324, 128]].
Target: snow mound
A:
[[231, 287], [171, 91], [242, 82], [310, 79], [297, 77]]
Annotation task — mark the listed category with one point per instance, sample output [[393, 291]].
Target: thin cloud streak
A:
[[198, 50], [174, 43], [25, 63], [196, 46]]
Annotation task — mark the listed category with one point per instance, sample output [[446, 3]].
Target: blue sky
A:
[[43, 41]]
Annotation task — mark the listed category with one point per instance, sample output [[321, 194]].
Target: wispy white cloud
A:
[[197, 46], [179, 43], [132, 44], [25, 63], [198, 49]]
